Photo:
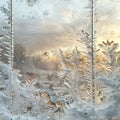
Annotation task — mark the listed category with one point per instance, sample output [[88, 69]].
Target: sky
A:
[[46, 24], [108, 15], [50, 24]]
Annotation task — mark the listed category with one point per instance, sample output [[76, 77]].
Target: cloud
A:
[[50, 30], [41, 37]]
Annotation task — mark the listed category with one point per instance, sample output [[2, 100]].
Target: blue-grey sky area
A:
[[50, 24]]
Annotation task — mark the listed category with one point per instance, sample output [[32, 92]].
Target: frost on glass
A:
[[6, 59], [107, 54], [61, 63], [52, 58]]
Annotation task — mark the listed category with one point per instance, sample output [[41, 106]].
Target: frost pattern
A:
[[31, 2], [6, 61], [66, 91]]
